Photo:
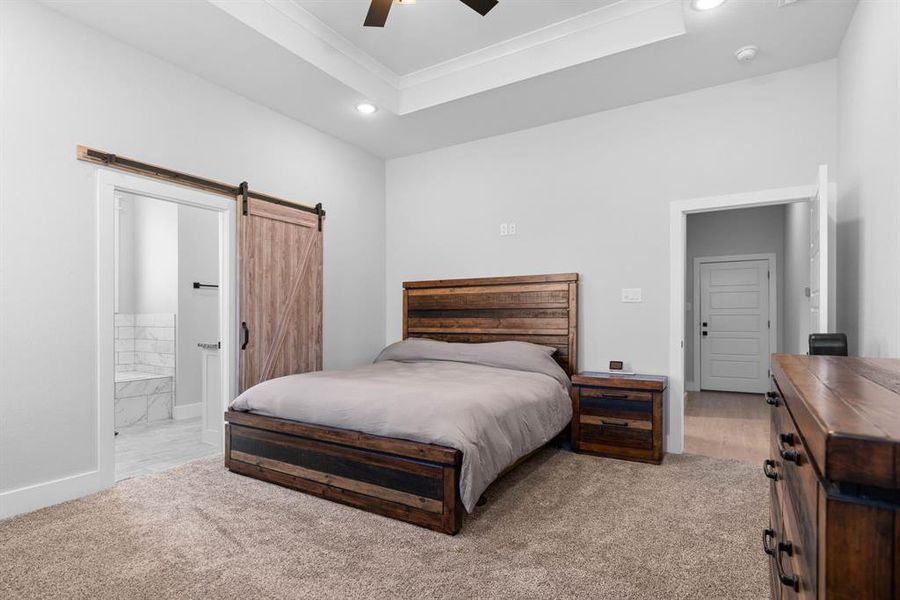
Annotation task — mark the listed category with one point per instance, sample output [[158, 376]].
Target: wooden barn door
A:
[[281, 292]]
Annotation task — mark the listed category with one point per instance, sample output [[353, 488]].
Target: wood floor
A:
[[726, 425], [145, 449]]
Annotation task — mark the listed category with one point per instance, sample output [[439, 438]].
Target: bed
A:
[[415, 474]]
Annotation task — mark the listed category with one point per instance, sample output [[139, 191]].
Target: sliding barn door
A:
[[281, 292]]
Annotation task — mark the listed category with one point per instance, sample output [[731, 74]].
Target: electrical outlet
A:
[[512, 229], [504, 229], [631, 295]]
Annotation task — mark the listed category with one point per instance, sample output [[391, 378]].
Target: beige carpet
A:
[[560, 526]]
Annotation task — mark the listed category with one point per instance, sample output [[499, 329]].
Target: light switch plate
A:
[[512, 229], [631, 295], [504, 229]]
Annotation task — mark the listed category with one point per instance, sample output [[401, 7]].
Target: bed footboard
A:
[[409, 481]]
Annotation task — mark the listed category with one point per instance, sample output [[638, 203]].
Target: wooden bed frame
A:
[[410, 481]]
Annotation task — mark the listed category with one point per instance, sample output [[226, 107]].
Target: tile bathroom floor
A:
[[145, 449]]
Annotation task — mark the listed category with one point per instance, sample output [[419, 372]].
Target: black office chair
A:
[[828, 344]]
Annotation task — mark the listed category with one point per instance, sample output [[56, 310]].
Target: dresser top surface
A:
[[848, 395]]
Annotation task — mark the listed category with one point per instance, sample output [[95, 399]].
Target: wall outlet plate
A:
[[632, 295]]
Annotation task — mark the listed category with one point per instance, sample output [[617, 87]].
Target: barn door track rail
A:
[[131, 165]]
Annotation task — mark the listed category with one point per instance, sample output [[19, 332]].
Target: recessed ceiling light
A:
[[706, 4], [366, 108]]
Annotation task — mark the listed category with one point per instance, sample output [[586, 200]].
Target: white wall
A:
[[198, 310], [868, 209], [795, 322], [64, 84], [592, 195], [725, 233], [155, 244]]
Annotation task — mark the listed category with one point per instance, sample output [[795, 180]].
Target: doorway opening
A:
[[165, 325], [751, 275]]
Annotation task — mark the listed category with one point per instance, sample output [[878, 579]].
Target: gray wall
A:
[[730, 233], [198, 310], [592, 195], [66, 84], [868, 207]]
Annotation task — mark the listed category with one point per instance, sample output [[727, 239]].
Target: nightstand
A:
[[619, 416]]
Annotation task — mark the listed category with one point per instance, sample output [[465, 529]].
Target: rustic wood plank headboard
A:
[[541, 309]]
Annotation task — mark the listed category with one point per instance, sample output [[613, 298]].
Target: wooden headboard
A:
[[541, 309]]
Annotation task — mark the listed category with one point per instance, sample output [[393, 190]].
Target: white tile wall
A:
[[145, 343]]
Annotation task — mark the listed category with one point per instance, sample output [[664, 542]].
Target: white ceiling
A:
[[432, 31], [267, 66]]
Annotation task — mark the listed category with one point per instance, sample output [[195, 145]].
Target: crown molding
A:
[[539, 37], [607, 30]]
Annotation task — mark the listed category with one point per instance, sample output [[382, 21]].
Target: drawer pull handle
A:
[[769, 469], [787, 439], [615, 396], [791, 581], [613, 423], [771, 398], [767, 534], [791, 456]]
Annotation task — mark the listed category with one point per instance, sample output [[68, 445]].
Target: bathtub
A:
[[143, 398]]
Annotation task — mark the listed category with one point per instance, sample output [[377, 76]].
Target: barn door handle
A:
[[246, 331]]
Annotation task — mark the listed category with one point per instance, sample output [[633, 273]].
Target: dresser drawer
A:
[[798, 559], [797, 482]]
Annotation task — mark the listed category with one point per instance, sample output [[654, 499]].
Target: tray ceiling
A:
[[429, 32], [281, 55]]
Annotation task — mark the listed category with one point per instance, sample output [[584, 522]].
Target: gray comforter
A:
[[417, 391]]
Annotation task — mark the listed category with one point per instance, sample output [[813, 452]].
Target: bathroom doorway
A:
[[171, 315]]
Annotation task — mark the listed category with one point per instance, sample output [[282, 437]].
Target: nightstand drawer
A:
[[615, 407], [613, 394], [616, 432]]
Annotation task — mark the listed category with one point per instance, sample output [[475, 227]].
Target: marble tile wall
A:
[[145, 343], [146, 400]]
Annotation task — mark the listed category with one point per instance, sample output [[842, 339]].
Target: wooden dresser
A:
[[834, 467], [620, 416]]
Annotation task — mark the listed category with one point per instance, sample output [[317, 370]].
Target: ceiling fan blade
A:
[[378, 13], [482, 7]]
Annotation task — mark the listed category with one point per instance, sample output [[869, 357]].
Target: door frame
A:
[[773, 302], [678, 212], [109, 184]]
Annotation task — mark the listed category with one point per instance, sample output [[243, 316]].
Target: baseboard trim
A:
[[187, 411], [690, 386], [31, 498], [211, 437]]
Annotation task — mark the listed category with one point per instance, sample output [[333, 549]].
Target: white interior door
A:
[[734, 326], [821, 280]]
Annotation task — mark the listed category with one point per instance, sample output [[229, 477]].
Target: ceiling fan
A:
[[379, 9]]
